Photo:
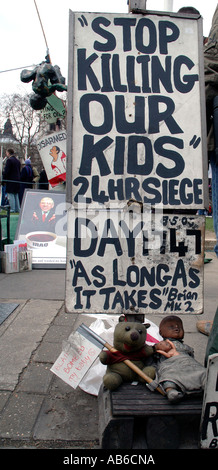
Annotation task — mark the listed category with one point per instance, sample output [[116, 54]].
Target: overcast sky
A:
[[23, 44]]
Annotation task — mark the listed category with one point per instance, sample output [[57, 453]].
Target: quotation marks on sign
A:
[[195, 141], [83, 21]]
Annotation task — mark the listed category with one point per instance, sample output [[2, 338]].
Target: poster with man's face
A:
[[43, 226], [52, 150]]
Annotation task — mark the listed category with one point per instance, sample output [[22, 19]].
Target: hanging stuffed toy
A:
[[46, 80]]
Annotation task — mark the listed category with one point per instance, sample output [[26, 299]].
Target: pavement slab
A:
[[22, 337], [69, 415], [19, 416]]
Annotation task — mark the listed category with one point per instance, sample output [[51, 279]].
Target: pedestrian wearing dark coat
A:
[[11, 176], [26, 178]]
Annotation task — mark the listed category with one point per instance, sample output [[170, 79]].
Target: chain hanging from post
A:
[[137, 5]]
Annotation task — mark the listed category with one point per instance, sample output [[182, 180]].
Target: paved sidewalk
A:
[[37, 409]]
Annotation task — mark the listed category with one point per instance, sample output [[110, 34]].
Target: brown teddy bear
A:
[[129, 341]]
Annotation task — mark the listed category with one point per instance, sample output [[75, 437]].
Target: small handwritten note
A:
[[75, 360]]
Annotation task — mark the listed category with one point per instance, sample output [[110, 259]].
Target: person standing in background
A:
[[11, 177], [43, 180], [26, 178], [211, 92], [35, 177]]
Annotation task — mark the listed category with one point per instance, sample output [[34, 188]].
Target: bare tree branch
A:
[[26, 122]]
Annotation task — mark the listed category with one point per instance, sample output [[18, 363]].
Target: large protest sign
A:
[[120, 262], [136, 100], [136, 135], [52, 150]]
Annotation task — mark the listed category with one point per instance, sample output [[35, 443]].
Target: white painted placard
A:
[[136, 110], [209, 418], [120, 261]]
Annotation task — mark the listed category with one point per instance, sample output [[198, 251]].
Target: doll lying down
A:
[[176, 369]]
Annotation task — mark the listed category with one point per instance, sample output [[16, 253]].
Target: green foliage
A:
[[209, 224]]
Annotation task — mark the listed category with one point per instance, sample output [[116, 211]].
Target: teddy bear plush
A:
[[129, 341]]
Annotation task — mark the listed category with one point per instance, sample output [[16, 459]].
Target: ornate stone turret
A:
[[7, 137]]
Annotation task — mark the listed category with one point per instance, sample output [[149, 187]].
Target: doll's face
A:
[[172, 329]]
